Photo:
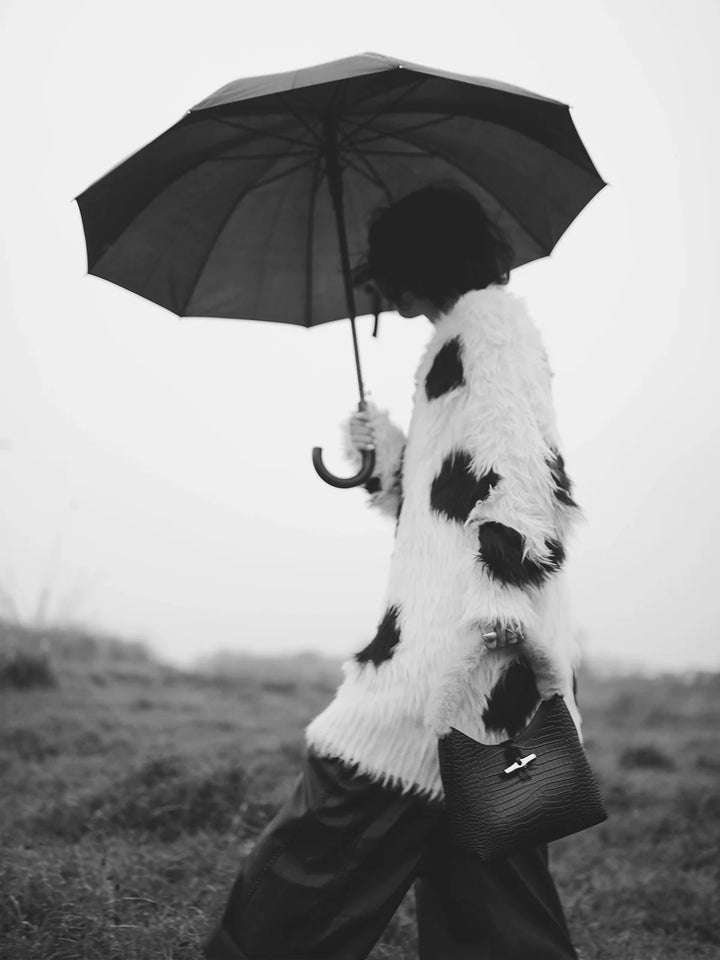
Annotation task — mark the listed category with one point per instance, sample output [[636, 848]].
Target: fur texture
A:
[[484, 512]]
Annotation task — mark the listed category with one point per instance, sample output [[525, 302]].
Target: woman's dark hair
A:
[[437, 243]]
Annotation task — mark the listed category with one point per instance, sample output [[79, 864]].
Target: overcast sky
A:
[[155, 473]]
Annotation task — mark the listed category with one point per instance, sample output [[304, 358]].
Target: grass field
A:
[[131, 791]]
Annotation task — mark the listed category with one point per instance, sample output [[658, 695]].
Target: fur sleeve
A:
[[385, 485], [518, 529]]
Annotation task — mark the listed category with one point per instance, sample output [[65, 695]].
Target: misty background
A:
[[155, 473]]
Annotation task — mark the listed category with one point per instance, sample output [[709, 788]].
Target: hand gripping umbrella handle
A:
[[368, 464]]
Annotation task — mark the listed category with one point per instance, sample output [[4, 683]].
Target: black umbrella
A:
[[254, 204]]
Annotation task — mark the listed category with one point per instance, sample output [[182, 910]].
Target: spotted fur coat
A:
[[483, 511]]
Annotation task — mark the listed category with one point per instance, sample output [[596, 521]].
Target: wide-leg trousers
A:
[[328, 872]]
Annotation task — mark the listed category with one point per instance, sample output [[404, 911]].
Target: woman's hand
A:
[[361, 431], [496, 636]]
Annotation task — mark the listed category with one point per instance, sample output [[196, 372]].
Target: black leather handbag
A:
[[535, 787]]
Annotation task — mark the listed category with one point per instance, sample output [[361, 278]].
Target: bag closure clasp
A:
[[519, 762]]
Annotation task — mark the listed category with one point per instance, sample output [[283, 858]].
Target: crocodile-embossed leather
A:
[[494, 813]]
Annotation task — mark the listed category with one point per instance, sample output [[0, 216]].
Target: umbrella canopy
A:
[[229, 213], [255, 203]]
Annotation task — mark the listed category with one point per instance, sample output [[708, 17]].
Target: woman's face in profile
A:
[[408, 305]]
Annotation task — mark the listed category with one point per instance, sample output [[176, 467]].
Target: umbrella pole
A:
[[334, 175]]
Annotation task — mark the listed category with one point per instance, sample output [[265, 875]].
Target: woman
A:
[[475, 630]]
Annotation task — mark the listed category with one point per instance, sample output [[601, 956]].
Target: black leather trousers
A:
[[328, 872]]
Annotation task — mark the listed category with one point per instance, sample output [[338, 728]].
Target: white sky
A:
[[155, 473]]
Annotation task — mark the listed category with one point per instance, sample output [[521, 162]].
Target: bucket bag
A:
[[534, 787]]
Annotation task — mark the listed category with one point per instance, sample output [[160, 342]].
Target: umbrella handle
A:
[[368, 463]]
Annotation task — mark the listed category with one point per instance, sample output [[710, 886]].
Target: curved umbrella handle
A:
[[365, 471]]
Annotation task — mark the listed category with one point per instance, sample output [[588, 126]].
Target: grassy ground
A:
[[132, 790]]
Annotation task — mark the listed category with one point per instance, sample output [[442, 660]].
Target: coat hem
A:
[[324, 746]]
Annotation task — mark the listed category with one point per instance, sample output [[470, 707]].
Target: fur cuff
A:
[[486, 601]]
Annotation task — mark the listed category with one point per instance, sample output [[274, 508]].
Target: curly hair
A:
[[436, 243]]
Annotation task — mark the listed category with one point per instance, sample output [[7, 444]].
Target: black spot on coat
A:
[[456, 488], [383, 644], [446, 373], [372, 484], [512, 699], [501, 551], [563, 484]]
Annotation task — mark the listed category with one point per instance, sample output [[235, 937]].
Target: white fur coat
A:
[[484, 512]]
